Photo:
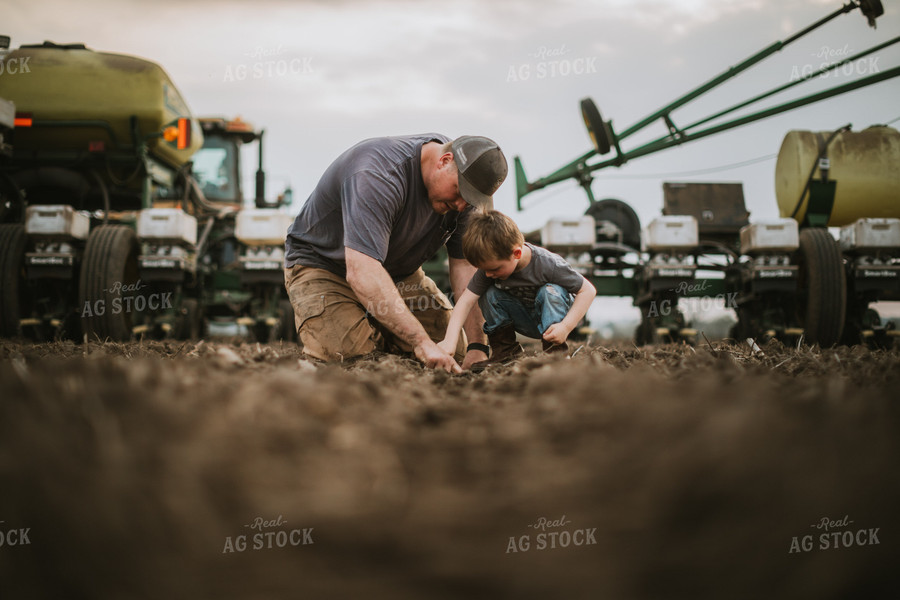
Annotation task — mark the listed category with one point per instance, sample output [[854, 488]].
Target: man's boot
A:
[[550, 347], [504, 348]]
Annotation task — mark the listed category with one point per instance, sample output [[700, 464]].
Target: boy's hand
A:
[[557, 333], [447, 346]]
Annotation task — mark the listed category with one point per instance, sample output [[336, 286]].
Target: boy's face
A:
[[501, 268]]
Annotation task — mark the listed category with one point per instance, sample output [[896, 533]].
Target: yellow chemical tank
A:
[[865, 164], [72, 83]]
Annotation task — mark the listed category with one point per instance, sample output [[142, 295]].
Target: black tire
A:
[[646, 333], [860, 318], [746, 326], [110, 258], [622, 215], [13, 291], [596, 126], [12, 201], [188, 319], [581, 333], [286, 330], [822, 301]]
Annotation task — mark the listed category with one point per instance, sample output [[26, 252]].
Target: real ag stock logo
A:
[[553, 534], [121, 303], [834, 536], [267, 63], [841, 64], [704, 303], [269, 534], [552, 63]]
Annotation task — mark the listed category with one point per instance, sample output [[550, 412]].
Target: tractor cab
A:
[[217, 165]]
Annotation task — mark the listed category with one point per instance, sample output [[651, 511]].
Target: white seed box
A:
[[167, 225], [671, 232], [262, 226], [56, 221], [570, 233], [871, 234], [776, 235]]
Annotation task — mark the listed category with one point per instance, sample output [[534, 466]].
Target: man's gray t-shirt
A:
[[545, 267], [372, 199]]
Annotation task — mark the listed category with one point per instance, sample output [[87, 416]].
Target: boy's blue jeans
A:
[[501, 308]]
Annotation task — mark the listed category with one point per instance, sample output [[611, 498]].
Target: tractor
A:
[[121, 215]]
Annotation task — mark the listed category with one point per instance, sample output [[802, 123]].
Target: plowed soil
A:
[[205, 470]]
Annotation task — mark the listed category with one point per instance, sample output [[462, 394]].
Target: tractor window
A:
[[215, 168]]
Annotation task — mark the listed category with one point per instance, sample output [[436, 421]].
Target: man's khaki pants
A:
[[333, 324]]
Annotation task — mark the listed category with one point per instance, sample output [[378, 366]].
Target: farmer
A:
[[354, 254]]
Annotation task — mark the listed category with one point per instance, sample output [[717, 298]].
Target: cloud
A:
[[398, 66]]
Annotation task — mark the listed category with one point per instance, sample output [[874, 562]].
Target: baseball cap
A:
[[482, 168]]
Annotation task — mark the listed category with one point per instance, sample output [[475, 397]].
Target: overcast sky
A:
[[319, 76]]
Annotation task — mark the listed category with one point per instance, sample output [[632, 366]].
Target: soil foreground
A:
[[211, 470]]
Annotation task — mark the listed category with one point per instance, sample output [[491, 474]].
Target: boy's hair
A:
[[490, 235]]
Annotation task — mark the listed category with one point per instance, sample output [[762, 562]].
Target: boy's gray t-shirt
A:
[[372, 199], [545, 267]]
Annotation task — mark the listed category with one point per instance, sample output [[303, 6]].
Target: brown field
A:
[[134, 469]]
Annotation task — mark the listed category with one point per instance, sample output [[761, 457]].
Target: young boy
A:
[[519, 287]]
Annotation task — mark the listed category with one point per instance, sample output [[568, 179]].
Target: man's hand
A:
[[472, 357], [436, 357], [557, 333], [374, 288]]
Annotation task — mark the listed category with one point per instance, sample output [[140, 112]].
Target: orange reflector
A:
[[184, 133], [170, 134], [22, 121]]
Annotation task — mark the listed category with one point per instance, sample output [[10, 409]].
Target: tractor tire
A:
[[110, 264], [596, 126], [188, 320], [286, 331], [13, 293], [822, 301], [645, 334], [748, 325], [620, 214]]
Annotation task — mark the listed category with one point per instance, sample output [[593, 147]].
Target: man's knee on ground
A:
[[335, 340], [334, 328]]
